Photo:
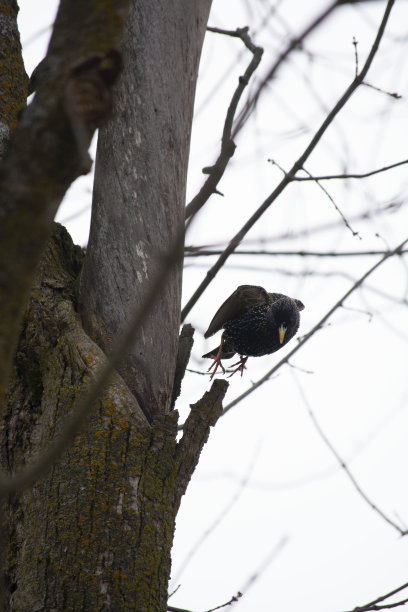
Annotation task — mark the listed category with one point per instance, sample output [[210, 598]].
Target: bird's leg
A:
[[217, 361], [241, 366]]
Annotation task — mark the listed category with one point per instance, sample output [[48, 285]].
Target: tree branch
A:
[[222, 514], [216, 171], [350, 175], [185, 345], [295, 43], [204, 414], [373, 604], [295, 168], [191, 251], [343, 465], [233, 599]]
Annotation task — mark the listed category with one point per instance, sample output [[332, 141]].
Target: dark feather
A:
[[241, 301], [252, 320]]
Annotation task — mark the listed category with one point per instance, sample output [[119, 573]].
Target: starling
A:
[[255, 323]]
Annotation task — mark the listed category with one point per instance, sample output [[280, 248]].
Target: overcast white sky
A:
[[296, 520]]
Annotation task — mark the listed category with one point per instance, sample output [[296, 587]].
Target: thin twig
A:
[[355, 44], [375, 607], [191, 251], [368, 213], [235, 241], [216, 171], [265, 22], [373, 604], [233, 599], [295, 43], [350, 175], [76, 214], [316, 180], [341, 462], [220, 517], [295, 367], [174, 591], [391, 94], [265, 564], [346, 223]]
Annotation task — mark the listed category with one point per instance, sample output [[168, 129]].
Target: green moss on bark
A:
[[96, 532]]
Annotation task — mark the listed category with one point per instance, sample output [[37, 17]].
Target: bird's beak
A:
[[282, 332]]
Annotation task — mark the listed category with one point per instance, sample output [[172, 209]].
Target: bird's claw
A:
[[240, 366], [217, 363]]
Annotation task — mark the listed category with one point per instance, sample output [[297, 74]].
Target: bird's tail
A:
[[224, 355]]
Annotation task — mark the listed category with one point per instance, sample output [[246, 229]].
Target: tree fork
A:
[[96, 532]]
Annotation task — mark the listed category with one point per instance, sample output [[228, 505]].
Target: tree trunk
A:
[[95, 533], [139, 192]]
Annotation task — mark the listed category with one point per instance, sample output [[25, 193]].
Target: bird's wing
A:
[[242, 300]]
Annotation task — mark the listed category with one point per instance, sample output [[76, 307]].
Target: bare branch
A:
[[342, 463], [265, 563], [295, 43], [384, 607], [203, 415], [369, 213], [350, 175], [219, 518], [76, 214], [216, 171], [346, 223], [316, 180], [233, 599], [355, 44], [185, 345], [373, 604], [191, 251], [235, 241], [391, 94]]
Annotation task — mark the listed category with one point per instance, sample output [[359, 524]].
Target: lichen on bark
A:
[[96, 531]]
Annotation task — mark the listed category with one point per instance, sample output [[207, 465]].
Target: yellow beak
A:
[[282, 332]]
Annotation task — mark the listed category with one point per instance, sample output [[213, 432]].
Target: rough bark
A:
[[13, 78], [56, 528], [48, 148], [139, 192], [95, 532]]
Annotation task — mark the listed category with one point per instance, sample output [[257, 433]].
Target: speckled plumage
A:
[[255, 323]]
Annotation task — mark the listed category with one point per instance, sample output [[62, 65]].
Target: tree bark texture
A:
[[95, 532], [139, 192], [13, 78], [48, 147]]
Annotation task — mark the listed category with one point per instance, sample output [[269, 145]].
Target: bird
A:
[[255, 323]]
